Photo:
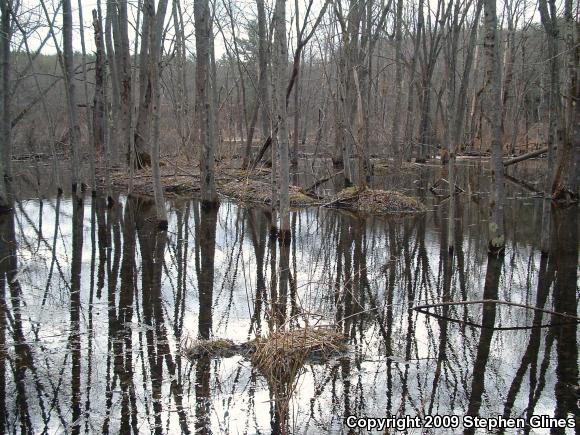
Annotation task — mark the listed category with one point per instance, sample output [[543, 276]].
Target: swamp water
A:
[[100, 308]]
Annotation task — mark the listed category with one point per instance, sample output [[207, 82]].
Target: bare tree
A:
[[263, 77], [5, 120], [493, 77], [113, 135], [182, 100], [75, 133], [143, 125], [459, 104], [47, 112], [205, 100], [395, 130], [123, 57], [565, 182], [155, 50], [280, 76], [99, 112], [86, 95]]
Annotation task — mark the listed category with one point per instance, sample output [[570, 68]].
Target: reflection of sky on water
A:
[[381, 254]]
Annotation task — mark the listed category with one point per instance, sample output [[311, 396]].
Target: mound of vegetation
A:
[[280, 355], [260, 192], [391, 167], [216, 348], [376, 201]]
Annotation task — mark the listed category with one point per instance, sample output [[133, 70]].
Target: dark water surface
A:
[[99, 307]]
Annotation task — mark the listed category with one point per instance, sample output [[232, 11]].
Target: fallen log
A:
[[523, 157], [527, 186], [322, 181], [261, 153]]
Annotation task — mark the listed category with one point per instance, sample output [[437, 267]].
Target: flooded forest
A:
[[289, 217]]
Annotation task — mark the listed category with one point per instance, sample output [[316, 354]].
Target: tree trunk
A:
[[86, 94], [409, 122], [424, 123], [564, 184], [155, 51], [524, 157], [124, 72], [242, 88], [509, 57], [205, 100], [548, 19], [250, 139], [5, 121], [263, 81], [395, 130], [183, 122], [280, 66], [75, 135], [113, 143], [99, 113], [458, 123], [143, 125], [295, 137], [497, 200]]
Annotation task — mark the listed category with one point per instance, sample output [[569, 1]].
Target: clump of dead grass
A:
[[220, 347], [377, 201], [393, 168], [255, 191], [280, 355], [280, 358]]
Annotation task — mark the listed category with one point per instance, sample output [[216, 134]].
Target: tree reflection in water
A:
[[96, 315]]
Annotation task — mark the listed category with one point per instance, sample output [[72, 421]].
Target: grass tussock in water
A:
[[281, 356], [260, 192], [277, 353], [220, 347], [393, 168], [377, 201], [282, 353]]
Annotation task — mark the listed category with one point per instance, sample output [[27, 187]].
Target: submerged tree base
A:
[[376, 201], [564, 197], [5, 209]]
